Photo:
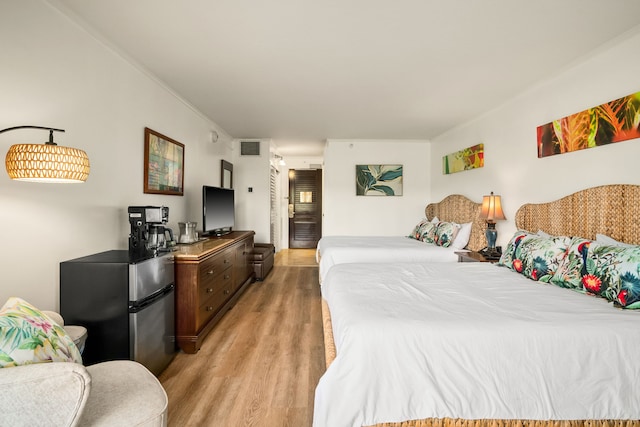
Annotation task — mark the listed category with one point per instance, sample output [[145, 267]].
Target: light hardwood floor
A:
[[260, 364]]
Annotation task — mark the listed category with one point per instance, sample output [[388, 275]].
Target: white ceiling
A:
[[302, 71]]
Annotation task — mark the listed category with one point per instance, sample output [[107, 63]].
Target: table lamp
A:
[[491, 211]]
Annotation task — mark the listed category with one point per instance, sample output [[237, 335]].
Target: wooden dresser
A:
[[210, 277]]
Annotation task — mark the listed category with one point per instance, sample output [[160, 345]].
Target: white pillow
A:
[[462, 238], [606, 240]]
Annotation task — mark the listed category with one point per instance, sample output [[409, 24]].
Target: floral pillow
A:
[[506, 259], [29, 336], [418, 230], [539, 257], [445, 233], [608, 271], [569, 272]]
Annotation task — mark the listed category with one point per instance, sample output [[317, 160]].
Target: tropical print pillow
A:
[[429, 233], [569, 272], [445, 233], [538, 257], [418, 229], [29, 336], [506, 259], [608, 271]]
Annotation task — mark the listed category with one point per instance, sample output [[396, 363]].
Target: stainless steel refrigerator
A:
[[127, 306]]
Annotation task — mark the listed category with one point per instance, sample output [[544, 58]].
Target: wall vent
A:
[[249, 148]]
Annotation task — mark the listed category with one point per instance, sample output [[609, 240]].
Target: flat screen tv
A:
[[218, 210]]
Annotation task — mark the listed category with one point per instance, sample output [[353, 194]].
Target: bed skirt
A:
[[330, 355]]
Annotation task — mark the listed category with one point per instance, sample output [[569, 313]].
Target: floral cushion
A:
[[29, 336], [423, 228], [608, 271], [506, 259], [418, 229], [538, 257], [429, 233], [445, 233], [569, 272]]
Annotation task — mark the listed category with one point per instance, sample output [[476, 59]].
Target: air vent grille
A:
[[249, 148]]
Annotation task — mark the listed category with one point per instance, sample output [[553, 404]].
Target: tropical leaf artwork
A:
[[615, 121], [378, 180], [468, 158]]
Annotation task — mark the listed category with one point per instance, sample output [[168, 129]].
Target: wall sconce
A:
[[46, 162], [281, 160], [491, 211]]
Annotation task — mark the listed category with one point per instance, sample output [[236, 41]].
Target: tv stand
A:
[[218, 232], [210, 277]]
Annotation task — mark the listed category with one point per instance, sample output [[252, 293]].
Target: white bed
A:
[[472, 341], [478, 345], [334, 250]]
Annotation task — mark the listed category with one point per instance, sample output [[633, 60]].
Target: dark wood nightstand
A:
[[465, 256]]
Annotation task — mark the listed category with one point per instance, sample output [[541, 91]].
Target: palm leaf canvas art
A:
[[615, 121], [378, 180]]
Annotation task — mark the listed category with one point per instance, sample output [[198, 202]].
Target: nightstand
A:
[[465, 256]]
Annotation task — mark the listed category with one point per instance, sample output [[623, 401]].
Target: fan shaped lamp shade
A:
[[492, 211], [46, 162]]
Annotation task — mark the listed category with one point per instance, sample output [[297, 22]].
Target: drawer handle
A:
[[209, 308], [210, 272], [226, 276], [226, 291], [209, 290], [226, 261]]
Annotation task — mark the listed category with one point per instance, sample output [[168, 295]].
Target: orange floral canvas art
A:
[[615, 121]]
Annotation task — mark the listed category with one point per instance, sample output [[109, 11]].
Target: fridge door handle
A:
[[136, 306]]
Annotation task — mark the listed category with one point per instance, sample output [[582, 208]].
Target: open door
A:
[[305, 207]]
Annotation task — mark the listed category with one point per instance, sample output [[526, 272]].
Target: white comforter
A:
[[334, 250], [472, 340]]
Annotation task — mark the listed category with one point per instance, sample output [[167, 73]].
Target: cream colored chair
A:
[[114, 393]]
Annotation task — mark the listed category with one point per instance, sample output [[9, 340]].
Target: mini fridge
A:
[[127, 307]]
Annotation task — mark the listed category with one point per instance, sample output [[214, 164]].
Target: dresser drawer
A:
[[215, 265], [213, 297], [213, 283]]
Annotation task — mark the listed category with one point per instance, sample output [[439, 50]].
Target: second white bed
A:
[[333, 250]]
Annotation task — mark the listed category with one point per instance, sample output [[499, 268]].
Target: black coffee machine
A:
[[149, 236]]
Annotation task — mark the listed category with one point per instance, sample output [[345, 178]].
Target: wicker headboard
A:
[[609, 209], [457, 208]]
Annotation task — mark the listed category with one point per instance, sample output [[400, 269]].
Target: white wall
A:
[[54, 74], [512, 168], [348, 214], [252, 208]]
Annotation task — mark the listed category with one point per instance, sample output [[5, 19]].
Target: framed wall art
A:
[[468, 158], [615, 121], [378, 180], [163, 164]]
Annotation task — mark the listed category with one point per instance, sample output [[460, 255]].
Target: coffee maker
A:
[[149, 235]]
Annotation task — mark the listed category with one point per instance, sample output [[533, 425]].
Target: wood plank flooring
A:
[[260, 364]]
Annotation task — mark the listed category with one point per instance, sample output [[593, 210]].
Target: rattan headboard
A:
[[457, 208], [609, 209]]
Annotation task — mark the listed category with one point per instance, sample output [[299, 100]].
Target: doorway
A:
[[305, 208]]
